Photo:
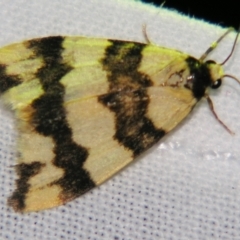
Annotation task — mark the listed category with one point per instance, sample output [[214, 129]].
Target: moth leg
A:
[[210, 104]]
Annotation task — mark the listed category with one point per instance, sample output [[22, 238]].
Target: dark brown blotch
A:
[[49, 119], [7, 81], [25, 172], [71, 157], [127, 96]]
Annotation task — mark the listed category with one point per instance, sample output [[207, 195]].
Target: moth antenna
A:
[[232, 77], [233, 47], [214, 45], [210, 104]]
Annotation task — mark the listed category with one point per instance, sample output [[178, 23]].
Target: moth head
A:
[[216, 73], [216, 69]]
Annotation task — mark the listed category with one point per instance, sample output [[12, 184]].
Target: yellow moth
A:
[[86, 108]]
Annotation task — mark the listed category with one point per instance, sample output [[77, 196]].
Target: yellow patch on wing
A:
[[43, 198], [22, 96], [97, 125], [14, 54], [169, 106]]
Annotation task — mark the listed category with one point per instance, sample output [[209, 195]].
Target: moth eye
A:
[[217, 84], [210, 62]]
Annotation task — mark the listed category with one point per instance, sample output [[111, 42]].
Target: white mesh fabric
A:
[[185, 188]]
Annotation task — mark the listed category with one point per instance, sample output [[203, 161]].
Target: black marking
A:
[[25, 172], [76, 180], [49, 119], [200, 77], [7, 81], [127, 96]]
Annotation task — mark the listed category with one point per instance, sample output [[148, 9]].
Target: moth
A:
[[86, 107]]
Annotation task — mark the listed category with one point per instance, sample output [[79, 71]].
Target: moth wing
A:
[[85, 109]]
